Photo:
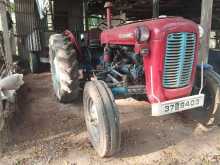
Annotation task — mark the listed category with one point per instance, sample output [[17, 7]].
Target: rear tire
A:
[[209, 114], [34, 62], [64, 68], [102, 118]]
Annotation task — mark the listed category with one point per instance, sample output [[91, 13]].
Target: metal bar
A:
[[108, 7], [117, 73], [206, 23], [114, 80], [156, 8]]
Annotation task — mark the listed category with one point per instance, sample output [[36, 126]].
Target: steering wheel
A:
[[103, 25]]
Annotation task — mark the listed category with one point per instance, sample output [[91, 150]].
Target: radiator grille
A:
[[179, 57]]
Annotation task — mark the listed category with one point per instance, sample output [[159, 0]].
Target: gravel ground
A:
[[47, 132]]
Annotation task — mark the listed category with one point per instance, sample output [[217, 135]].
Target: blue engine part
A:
[[135, 71], [119, 91]]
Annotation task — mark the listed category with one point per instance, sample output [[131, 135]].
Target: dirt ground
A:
[[47, 132]]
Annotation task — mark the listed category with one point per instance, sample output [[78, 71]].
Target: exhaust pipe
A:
[[108, 7]]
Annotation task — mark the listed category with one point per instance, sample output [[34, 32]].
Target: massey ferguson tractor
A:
[[155, 60]]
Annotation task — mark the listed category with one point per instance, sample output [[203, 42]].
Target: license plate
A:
[[177, 105]]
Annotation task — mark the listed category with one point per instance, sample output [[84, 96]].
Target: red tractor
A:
[[155, 60]]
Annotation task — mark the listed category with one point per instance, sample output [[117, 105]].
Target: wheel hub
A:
[[94, 122], [93, 116]]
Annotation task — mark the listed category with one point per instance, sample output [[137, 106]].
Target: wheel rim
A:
[[93, 122]]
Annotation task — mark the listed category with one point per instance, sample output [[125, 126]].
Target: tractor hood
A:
[[125, 34]]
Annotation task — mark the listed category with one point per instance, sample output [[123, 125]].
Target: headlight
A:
[[82, 36], [201, 31], [142, 34]]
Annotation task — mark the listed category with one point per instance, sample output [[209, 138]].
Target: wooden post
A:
[[4, 22], [206, 23], [156, 8]]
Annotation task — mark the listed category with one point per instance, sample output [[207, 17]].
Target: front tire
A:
[[209, 114], [102, 118]]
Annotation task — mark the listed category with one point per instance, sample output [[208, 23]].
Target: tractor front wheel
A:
[[102, 118], [209, 114]]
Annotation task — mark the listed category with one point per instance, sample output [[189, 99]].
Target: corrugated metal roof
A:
[[42, 6]]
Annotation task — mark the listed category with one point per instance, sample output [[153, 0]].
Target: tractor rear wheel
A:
[[102, 118], [64, 68], [209, 114]]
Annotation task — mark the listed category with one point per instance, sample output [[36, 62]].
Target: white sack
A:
[[12, 82]]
